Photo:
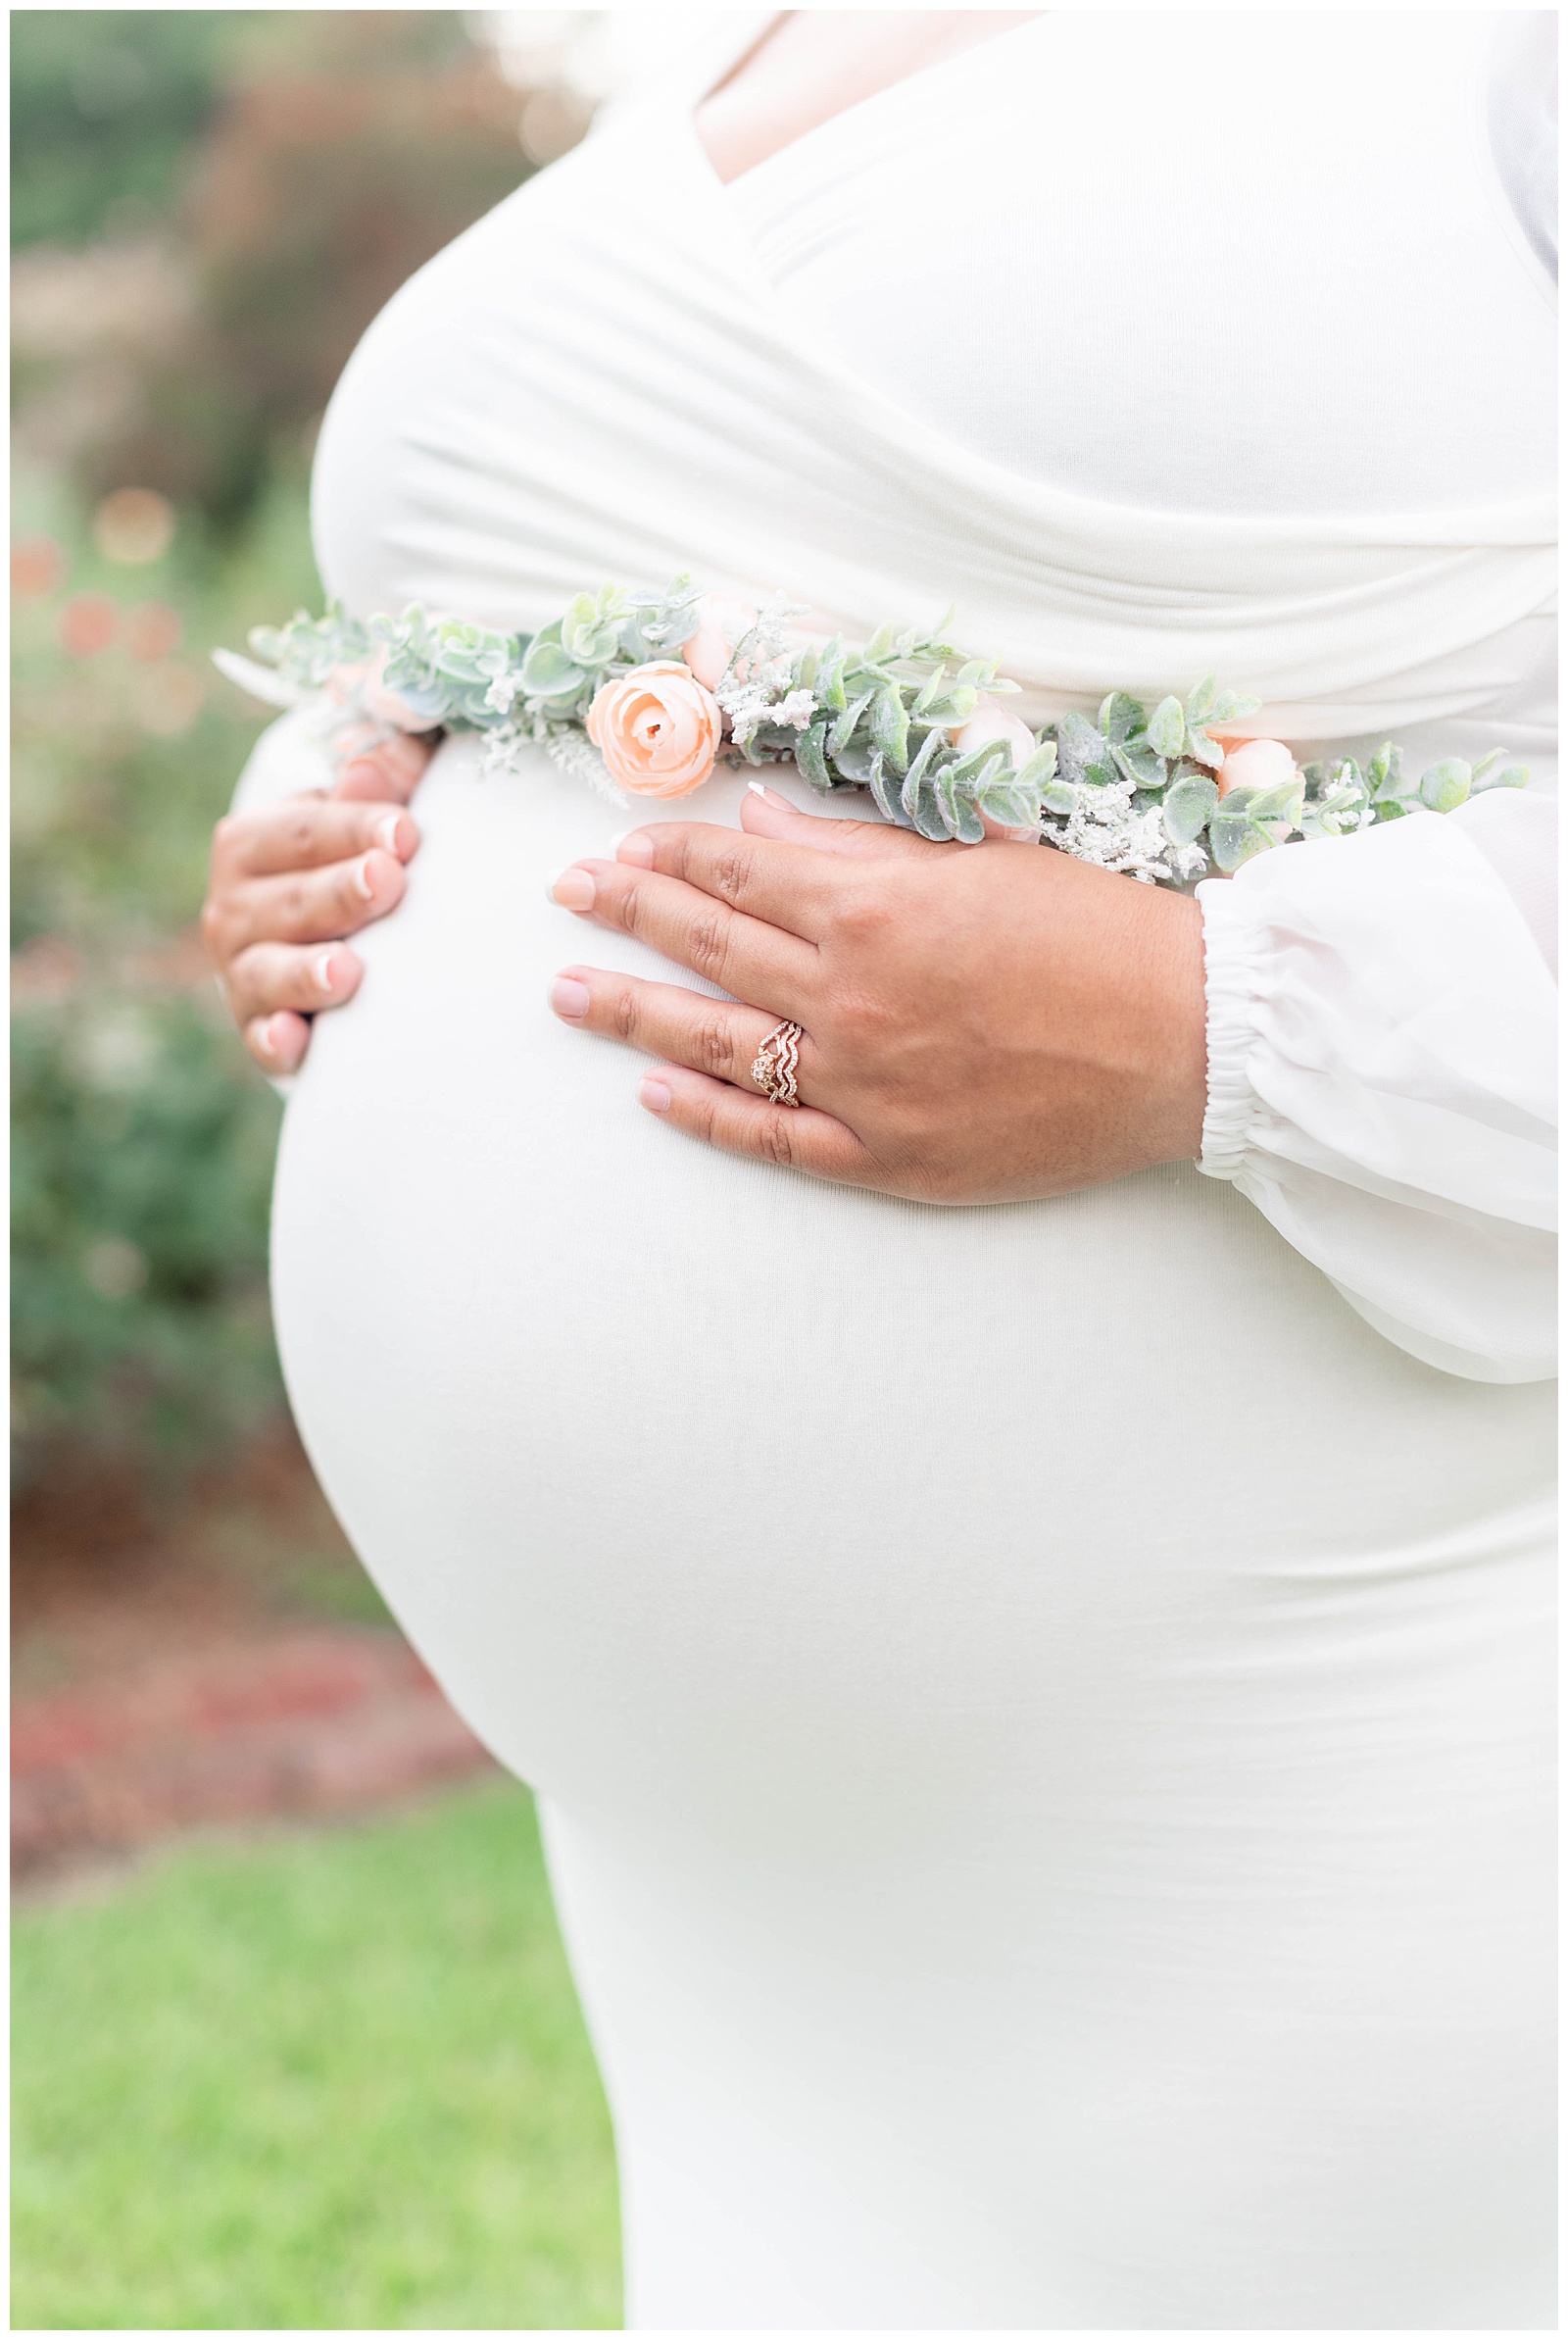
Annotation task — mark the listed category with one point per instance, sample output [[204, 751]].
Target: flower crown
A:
[[645, 693]]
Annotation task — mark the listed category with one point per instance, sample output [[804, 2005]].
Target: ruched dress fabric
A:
[[1042, 1714]]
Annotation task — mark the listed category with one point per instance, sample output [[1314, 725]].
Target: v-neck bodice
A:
[[1229, 410]]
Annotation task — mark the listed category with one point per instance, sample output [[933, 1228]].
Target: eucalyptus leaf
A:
[[1037, 769], [924, 811], [1187, 807], [1201, 700], [1445, 785], [857, 762], [889, 726], [1008, 801], [1283, 802], [838, 739], [810, 759], [1235, 841], [1141, 765], [829, 684], [1120, 715], [1392, 787], [927, 752], [1083, 753], [1231, 705], [549, 672], [1167, 729], [1512, 775]]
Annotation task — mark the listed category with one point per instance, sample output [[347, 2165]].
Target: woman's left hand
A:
[[980, 1024]]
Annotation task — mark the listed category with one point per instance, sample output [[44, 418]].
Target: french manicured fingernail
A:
[[636, 846], [768, 797], [573, 889], [387, 834], [324, 972], [653, 1093], [570, 999], [362, 881]]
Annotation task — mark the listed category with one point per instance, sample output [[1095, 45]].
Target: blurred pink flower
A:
[[712, 645], [361, 687], [1253, 764], [990, 722]]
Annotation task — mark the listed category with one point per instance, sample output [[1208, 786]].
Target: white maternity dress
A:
[[1041, 1713]]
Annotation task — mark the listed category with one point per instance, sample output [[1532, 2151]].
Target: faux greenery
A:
[[1136, 790]]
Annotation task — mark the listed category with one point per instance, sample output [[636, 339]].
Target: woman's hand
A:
[[301, 874], [980, 1024]]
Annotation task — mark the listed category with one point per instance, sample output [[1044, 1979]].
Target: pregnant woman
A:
[[1032, 1647]]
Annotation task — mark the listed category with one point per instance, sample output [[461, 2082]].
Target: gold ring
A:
[[773, 1068]]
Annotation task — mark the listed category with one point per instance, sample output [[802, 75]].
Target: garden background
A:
[[295, 2044]]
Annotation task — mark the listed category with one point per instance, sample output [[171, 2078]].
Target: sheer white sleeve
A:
[[1382, 1013]]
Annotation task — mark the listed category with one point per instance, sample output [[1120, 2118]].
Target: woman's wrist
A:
[[1175, 1014]]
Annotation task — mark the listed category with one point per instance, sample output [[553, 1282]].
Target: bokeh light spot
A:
[[89, 623], [115, 1269], [133, 526], [37, 567]]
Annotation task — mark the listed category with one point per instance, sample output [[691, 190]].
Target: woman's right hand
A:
[[289, 882]]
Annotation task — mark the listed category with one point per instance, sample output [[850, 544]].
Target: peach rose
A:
[[657, 729], [713, 646], [989, 723], [1253, 764]]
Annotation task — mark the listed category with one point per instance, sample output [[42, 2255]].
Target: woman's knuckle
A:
[[714, 1048], [731, 874], [623, 1012], [708, 943], [775, 1141]]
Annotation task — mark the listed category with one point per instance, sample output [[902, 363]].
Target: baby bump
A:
[[787, 1482]]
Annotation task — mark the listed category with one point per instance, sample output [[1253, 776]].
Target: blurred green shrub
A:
[[141, 1160], [305, 164], [142, 1136], [105, 104]]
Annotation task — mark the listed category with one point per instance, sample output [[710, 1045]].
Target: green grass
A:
[[336, 2080]]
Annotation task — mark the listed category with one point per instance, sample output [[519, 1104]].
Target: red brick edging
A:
[[326, 1721]]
